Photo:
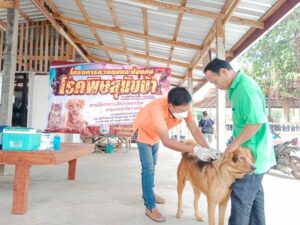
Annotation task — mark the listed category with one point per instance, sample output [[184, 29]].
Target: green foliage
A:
[[274, 61]]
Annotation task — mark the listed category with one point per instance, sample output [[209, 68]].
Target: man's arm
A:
[[173, 144], [248, 132], [198, 136]]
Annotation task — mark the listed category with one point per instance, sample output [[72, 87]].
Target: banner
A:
[[97, 98]]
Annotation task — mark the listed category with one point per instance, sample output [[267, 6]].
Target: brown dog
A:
[[74, 120], [214, 179]]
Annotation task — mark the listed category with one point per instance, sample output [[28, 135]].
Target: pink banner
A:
[[97, 98]]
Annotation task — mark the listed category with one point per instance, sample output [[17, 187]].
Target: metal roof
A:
[[122, 31], [28, 9]]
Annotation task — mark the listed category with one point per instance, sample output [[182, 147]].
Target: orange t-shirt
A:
[[153, 115]]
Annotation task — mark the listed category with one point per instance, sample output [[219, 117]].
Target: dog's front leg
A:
[[211, 211], [181, 180], [197, 193], [222, 209]]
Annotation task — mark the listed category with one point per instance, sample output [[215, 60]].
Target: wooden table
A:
[[24, 160]]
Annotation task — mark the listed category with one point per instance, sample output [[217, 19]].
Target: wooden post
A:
[[221, 96], [72, 169], [20, 194], [70, 53]]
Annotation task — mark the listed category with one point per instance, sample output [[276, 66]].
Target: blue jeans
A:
[[148, 158], [247, 201]]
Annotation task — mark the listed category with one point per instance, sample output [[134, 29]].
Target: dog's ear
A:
[[82, 103], [228, 156]]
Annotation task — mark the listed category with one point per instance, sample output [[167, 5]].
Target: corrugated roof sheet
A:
[[161, 27]]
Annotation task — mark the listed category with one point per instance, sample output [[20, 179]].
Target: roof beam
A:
[[178, 23], [230, 12], [116, 23], [145, 21], [61, 30], [200, 54], [228, 9], [54, 9], [97, 59], [24, 15], [199, 85], [128, 32], [92, 29], [177, 76], [8, 4], [200, 12], [135, 54], [180, 9], [2, 25], [205, 61], [247, 22]]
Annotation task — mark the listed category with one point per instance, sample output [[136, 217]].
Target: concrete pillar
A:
[[190, 81], [190, 89], [11, 43], [221, 95], [8, 76]]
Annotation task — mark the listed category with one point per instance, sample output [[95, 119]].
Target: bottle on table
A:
[[56, 143]]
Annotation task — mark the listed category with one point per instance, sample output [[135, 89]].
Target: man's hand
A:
[[231, 148], [230, 151], [206, 154]]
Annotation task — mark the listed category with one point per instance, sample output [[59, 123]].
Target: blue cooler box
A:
[[21, 139], [1, 130]]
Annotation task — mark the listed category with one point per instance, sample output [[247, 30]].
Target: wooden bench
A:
[[101, 140], [23, 160]]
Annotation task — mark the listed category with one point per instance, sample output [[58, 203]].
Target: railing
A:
[[278, 127]]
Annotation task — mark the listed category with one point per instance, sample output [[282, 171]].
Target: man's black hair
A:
[[205, 113], [216, 65], [179, 96]]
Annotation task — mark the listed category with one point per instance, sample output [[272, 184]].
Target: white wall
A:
[[37, 101], [38, 106]]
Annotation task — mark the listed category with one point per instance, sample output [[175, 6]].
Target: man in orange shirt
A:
[[151, 125]]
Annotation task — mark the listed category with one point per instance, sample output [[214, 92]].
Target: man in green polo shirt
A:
[[250, 130]]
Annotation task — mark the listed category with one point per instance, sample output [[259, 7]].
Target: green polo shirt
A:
[[248, 107]]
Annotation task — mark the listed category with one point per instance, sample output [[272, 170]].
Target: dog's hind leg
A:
[[181, 180], [197, 193], [222, 209]]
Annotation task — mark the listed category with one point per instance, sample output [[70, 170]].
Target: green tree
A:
[[274, 61]]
